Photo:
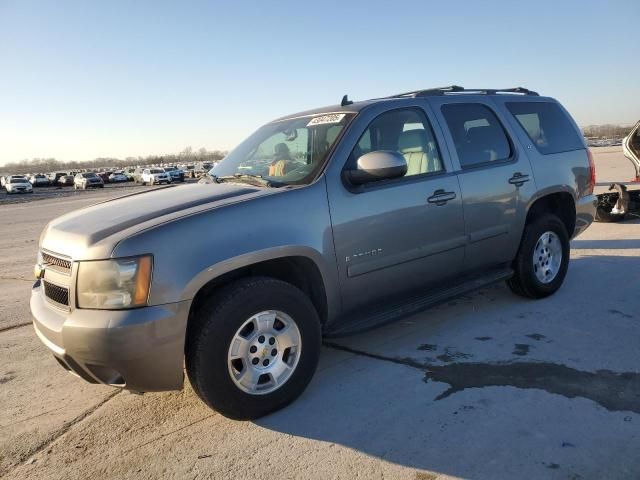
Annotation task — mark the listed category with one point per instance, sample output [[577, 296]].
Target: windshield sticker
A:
[[324, 119]]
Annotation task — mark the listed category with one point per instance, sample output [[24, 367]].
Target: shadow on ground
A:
[[460, 416]]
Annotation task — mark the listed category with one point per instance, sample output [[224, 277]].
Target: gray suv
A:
[[322, 223]]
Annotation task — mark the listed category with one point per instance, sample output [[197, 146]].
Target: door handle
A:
[[440, 197], [518, 179]]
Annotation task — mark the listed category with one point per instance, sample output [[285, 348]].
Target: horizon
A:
[[84, 81]]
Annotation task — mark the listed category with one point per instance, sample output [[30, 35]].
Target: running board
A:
[[408, 306]]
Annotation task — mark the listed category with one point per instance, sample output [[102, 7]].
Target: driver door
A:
[[396, 237]]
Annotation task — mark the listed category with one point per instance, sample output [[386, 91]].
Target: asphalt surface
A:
[[486, 386]]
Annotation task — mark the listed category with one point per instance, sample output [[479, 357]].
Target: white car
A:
[[154, 176], [39, 180], [18, 185]]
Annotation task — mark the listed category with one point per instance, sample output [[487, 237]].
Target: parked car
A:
[[176, 174], [17, 184], [66, 180], [117, 177], [53, 177], [5, 179], [87, 180], [131, 174], [104, 176], [367, 212], [154, 176], [39, 180]]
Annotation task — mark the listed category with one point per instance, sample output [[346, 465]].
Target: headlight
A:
[[114, 284]]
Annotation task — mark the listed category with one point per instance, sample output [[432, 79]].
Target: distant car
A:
[[66, 180], [131, 174], [39, 180], [87, 180], [17, 184], [176, 174], [117, 177], [154, 176], [104, 176], [53, 177], [6, 178]]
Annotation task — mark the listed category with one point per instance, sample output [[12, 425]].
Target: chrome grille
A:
[[56, 293], [62, 264]]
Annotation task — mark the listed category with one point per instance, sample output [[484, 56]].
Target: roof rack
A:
[[457, 89]]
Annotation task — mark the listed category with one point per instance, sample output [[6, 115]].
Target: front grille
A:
[[56, 293], [62, 263]]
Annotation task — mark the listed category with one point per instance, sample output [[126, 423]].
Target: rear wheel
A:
[[253, 347], [542, 260]]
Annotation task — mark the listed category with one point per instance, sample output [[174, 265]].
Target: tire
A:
[[526, 280], [218, 323]]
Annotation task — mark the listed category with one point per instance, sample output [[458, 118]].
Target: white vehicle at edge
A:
[[18, 185], [154, 176]]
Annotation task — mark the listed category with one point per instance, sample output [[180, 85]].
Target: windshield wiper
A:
[[256, 180]]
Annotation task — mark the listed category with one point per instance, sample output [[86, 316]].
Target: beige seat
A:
[[421, 158]]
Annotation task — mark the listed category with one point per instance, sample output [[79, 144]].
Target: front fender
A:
[[246, 260]]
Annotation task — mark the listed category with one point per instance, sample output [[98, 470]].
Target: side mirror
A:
[[376, 166]]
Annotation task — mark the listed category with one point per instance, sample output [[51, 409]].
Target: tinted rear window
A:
[[547, 126], [477, 134]]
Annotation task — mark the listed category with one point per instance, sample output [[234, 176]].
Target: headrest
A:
[[413, 141]]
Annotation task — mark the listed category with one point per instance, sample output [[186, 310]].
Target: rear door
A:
[[397, 236], [495, 179]]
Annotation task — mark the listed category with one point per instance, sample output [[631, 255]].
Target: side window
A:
[[406, 131], [477, 134], [547, 126]]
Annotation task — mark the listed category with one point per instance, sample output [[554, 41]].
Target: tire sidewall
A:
[[533, 233], [212, 342]]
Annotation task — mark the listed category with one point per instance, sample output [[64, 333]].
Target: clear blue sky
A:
[[84, 79]]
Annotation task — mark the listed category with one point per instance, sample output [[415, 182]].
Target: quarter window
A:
[[547, 126], [478, 136], [406, 131]]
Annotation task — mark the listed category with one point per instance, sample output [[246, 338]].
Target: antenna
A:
[[345, 101]]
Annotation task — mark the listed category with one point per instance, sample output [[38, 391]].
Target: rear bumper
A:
[[140, 350], [585, 213]]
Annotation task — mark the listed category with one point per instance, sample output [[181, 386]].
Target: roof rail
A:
[[457, 89]]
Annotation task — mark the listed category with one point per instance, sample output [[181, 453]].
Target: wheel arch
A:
[[295, 266], [560, 203]]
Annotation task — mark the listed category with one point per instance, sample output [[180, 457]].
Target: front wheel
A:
[[253, 347], [542, 260]]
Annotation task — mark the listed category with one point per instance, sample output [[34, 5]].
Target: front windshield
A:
[[289, 152], [18, 180], [89, 175]]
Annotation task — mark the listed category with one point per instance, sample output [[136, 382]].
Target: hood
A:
[[107, 223]]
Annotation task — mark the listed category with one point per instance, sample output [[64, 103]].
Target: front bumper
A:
[[140, 350], [585, 213]]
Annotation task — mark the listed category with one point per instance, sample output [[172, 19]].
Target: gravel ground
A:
[[486, 386]]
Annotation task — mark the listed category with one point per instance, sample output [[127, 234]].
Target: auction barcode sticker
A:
[[323, 119]]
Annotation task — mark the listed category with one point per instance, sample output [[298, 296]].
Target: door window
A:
[[406, 131], [478, 136]]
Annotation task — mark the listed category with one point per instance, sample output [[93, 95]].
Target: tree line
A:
[[606, 131], [44, 165]]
